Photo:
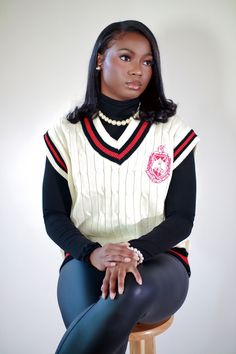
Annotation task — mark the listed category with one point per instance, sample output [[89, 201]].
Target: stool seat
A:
[[142, 337]]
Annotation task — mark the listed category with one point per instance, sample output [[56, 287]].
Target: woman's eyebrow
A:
[[132, 52]]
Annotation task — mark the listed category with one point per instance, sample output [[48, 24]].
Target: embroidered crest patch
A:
[[158, 167]]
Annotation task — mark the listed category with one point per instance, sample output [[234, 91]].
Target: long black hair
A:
[[154, 105]]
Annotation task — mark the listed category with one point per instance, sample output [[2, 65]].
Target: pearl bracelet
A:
[[139, 254]]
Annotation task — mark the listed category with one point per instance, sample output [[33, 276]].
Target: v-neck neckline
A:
[[115, 150], [108, 139]]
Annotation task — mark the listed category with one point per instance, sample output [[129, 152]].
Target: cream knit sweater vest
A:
[[118, 187]]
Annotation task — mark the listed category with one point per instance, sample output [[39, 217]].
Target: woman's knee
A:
[[163, 290], [78, 287], [137, 294]]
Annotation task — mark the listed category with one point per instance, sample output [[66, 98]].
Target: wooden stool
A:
[[142, 337]]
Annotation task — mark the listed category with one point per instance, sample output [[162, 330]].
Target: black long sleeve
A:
[[56, 213], [179, 214]]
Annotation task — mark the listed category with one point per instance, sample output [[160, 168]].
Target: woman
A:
[[119, 197]]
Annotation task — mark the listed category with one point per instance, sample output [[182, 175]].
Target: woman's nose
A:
[[135, 69]]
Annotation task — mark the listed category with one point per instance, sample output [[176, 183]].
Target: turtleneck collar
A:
[[115, 109]]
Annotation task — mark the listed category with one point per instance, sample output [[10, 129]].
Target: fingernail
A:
[[140, 282], [120, 291], [127, 259], [112, 296]]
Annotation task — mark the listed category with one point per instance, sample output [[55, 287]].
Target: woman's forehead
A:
[[132, 41]]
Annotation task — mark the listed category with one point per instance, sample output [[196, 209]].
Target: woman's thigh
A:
[[165, 287], [79, 286]]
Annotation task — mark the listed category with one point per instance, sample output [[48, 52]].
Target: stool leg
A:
[[137, 347], [147, 346], [150, 346]]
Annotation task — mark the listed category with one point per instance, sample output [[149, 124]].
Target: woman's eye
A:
[[125, 57], [149, 62]]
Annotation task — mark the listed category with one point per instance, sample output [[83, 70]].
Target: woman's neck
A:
[[117, 110]]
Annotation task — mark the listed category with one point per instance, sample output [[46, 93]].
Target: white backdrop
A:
[[45, 48]]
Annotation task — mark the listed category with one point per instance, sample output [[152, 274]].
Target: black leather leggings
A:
[[98, 326]]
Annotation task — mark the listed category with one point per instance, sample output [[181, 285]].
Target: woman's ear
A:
[[99, 61]]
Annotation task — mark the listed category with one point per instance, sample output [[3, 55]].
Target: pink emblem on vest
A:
[[158, 167]]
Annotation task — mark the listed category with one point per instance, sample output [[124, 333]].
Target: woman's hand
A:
[[115, 278], [110, 254]]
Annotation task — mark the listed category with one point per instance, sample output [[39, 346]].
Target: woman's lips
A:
[[134, 85]]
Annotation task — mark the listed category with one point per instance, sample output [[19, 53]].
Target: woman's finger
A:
[[113, 283], [109, 264], [121, 280], [137, 275], [105, 284], [119, 258], [111, 249]]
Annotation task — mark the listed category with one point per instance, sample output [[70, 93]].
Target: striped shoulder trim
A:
[[185, 142], [54, 152], [109, 152]]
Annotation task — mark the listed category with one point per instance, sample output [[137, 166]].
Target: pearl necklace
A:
[[119, 122]]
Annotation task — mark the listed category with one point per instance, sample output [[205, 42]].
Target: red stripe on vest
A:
[[97, 142], [186, 142], [113, 154], [135, 140], [54, 153]]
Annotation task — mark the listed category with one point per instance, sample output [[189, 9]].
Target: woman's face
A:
[[126, 66]]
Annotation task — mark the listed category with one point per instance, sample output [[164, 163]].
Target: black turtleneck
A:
[[117, 110], [179, 204]]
